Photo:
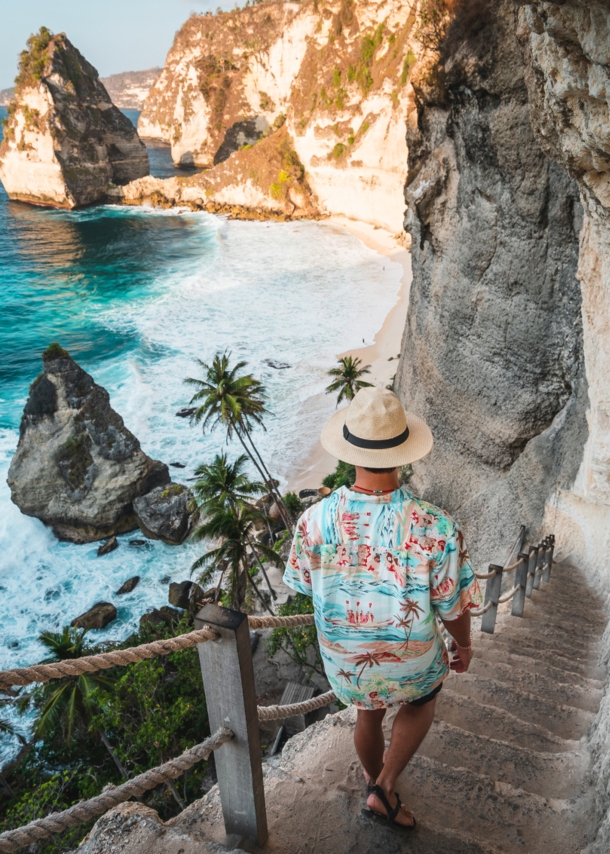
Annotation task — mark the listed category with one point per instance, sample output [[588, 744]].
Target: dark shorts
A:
[[421, 701]]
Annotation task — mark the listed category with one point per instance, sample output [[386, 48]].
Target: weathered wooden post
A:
[[546, 575], [531, 569], [228, 681], [521, 580], [539, 564], [492, 594]]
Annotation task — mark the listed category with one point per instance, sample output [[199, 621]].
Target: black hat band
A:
[[375, 444]]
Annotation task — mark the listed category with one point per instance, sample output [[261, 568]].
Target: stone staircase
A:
[[504, 768]]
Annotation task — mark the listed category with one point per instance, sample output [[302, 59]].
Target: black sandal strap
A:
[[392, 812]]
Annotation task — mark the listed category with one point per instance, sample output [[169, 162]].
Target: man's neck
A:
[[371, 482]]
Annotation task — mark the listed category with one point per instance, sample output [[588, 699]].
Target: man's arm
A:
[[460, 632]]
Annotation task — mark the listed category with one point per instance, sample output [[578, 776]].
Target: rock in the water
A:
[[164, 514], [96, 617], [186, 413], [159, 616], [138, 543], [129, 585], [65, 141], [108, 547], [183, 593], [77, 467], [178, 465]]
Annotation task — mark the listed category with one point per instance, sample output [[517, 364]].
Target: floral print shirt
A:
[[380, 568]]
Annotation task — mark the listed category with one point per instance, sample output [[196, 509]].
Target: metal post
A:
[[228, 681], [546, 575], [531, 568], [539, 564], [521, 580], [492, 593]]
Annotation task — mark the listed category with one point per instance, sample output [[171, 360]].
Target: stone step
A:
[[565, 721], [537, 683], [429, 838], [546, 614], [591, 614], [568, 639], [551, 775], [493, 654], [488, 720], [545, 650], [491, 811]]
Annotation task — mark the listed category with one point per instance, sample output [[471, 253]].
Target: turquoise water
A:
[[136, 295]]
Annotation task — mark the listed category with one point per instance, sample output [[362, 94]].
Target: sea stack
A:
[[77, 467], [64, 141]]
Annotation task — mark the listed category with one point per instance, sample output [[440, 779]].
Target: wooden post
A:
[[521, 580], [228, 681], [492, 593], [531, 568], [546, 575], [539, 564]]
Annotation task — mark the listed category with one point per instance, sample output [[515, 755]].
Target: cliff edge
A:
[[64, 140]]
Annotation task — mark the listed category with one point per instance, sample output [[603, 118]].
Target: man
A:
[[381, 565]]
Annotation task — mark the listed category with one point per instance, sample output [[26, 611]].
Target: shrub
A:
[[33, 60], [407, 65], [294, 504], [301, 643], [343, 475], [337, 151], [54, 351]]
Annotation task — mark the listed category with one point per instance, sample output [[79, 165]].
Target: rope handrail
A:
[[509, 594], [514, 565], [281, 622], [79, 813], [274, 713], [484, 575], [478, 612]]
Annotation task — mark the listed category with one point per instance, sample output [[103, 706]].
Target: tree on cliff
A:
[[348, 378], [235, 401]]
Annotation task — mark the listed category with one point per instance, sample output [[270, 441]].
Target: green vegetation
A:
[[33, 60], [54, 351], [336, 77], [407, 65], [172, 490], [300, 643], [294, 504], [343, 475], [277, 188], [361, 71], [338, 151], [348, 378]]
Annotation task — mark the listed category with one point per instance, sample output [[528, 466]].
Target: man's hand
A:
[[462, 658]]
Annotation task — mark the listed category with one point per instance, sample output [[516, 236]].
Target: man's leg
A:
[[411, 725], [369, 740]]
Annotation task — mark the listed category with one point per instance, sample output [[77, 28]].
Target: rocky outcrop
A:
[[129, 89], [65, 142], [492, 350], [336, 73], [77, 467], [165, 513], [97, 617]]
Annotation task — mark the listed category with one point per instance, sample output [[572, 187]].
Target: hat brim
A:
[[417, 444]]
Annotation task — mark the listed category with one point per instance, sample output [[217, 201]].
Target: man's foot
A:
[[404, 817]]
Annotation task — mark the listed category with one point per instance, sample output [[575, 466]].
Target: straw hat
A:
[[375, 431]]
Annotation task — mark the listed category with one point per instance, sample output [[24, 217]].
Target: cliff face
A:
[[65, 141], [338, 76], [492, 351], [130, 89], [77, 467]]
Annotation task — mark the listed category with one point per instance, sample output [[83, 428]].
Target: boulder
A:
[[96, 617], [77, 467], [160, 616], [129, 585], [183, 593], [65, 142], [164, 514], [109, 546]]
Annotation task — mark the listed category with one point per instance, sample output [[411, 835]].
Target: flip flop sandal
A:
[[389, 819]]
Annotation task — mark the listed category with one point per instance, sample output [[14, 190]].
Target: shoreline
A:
[[381, 355]]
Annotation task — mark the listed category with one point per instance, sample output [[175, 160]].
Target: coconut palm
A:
[[68, 701], [411, 611], [233, 527], [228, 398], [348, 378]]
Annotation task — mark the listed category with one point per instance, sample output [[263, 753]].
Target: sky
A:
[[114, 35]]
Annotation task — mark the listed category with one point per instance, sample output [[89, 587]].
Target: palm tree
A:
[[233, 526], [347, 378], [235, 401], [411, 611], [68, 700]]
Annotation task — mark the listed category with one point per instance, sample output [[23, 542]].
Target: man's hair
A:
[[381, 471]]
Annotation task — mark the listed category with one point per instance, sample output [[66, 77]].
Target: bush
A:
[[54, 351], [33, 60], [294, 504], [301, 643], [343, 475]]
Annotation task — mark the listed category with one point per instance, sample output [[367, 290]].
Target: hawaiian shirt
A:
[[380, 569]]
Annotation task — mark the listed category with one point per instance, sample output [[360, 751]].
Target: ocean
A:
[[136, 295]]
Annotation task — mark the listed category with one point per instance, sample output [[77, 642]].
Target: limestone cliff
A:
[[77, 467], [492, 350], [65, 141], [129, 89], [334, 75]]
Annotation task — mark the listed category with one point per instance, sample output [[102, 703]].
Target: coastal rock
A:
[[492, 349], [129, 89], [179, 593], [164, 513], [96, 617], [77, 467], [128, 586], [161, 616], [65, 142], [108, 547]]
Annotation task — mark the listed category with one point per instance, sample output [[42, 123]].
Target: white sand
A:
[[381, 355]]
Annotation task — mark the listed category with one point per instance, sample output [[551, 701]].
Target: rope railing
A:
[[513, 566], [478, 612], [281, 622], [275, 713], [509, 595], [112, 796]]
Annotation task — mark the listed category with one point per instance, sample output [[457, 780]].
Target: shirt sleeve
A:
[[454, 588], [297, 575]]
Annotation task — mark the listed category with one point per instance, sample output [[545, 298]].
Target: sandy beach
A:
[[381, 355]]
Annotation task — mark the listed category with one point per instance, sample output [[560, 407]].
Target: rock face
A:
[[164, 513], [492, 350], [65, 141], [77, 467], [338, 75], [130, 89], [96, 617]]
